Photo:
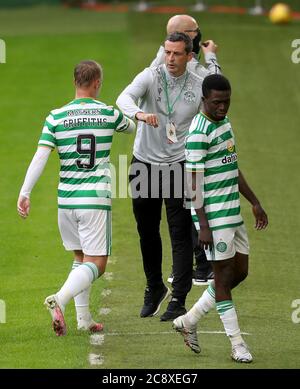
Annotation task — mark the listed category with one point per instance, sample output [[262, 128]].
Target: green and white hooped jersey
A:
[[82, 131], [210, 147]]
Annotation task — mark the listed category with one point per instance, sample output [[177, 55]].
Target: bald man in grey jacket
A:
[[188, 25]]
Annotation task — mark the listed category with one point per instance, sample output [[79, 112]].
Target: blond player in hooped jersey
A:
[[215, 184], [82, 132]]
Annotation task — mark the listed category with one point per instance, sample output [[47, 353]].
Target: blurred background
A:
[[239, 3], [266, 4]]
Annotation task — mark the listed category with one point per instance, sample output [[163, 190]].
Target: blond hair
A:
[[86, 72]]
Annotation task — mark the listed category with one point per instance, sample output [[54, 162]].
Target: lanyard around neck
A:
[[169, 105]]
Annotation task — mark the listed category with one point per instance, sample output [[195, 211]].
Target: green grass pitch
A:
[[43, 44]]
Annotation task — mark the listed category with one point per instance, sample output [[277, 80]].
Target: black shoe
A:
[[174, 309], [153, 300], [202, 277]]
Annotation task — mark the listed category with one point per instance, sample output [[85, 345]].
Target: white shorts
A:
[[88, 230], [227, 242]]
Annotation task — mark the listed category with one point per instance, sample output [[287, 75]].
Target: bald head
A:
[[182, 23], [187, 25]]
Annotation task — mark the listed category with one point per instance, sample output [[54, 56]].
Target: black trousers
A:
[[150, 188]]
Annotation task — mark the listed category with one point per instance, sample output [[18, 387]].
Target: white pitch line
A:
[[104, 311], [112, 261], [96, 339], [96, 359], [106, 292], [164, 333], [108, 276]]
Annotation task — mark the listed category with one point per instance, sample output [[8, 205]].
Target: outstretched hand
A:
[[23, 206], [261, 218], [150, 118]]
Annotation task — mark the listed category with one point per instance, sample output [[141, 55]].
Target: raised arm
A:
[[128, 99], [209, 49], [261, 218], [124, 124]]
